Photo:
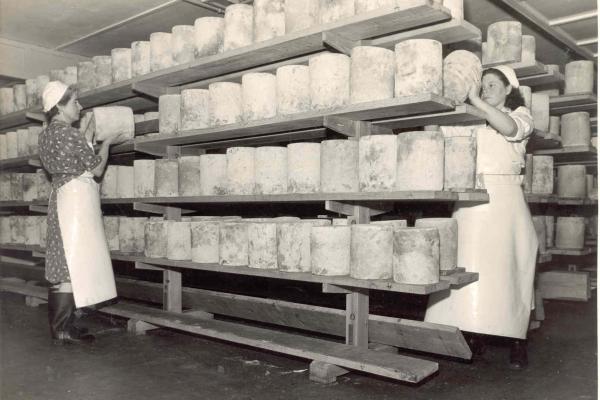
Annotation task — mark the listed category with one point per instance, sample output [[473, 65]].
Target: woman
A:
[[495, 239], [78, 262]]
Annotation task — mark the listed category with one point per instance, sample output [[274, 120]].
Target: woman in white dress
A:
[[496, 239]]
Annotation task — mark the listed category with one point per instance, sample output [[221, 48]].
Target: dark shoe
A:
[[61, 308], [518, 355], [476, 344]]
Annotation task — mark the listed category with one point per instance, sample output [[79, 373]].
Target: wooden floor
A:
[[165, 364]]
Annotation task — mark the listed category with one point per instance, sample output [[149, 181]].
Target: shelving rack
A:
[[384, 28]]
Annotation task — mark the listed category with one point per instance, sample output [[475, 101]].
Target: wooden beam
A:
[[392, 366]]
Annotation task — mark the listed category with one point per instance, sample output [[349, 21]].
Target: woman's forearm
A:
[[499, 120], [103, 154]]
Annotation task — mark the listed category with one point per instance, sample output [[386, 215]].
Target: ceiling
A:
[[92, 27]]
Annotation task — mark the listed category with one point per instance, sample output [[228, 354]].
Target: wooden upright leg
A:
[[357, 318], [172, 291]]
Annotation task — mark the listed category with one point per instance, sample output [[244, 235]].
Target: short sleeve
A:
[[524, 121], [84, 153]]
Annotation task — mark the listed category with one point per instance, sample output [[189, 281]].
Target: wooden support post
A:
[[172, 291], [172, 279], [357, 318]]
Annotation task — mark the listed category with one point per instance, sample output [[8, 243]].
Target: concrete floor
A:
[[166, 364]]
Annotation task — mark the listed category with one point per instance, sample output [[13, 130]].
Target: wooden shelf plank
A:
[[311, 197], [387, 285], [548, 77], [523, 69], [572, 103], [540, 198], [286, 137], [433, 196], [17, 119], [107, 94], [566, 150], [571, 252], [572, 154], [359, 27], [395, 107], [453, 31], [462, 114], [554, 199], [19, 162]]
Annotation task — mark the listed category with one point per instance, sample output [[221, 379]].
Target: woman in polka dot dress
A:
[[77, 258]]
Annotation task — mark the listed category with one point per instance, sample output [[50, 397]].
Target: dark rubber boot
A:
[[518, 354], [61, 307], [476, 344]]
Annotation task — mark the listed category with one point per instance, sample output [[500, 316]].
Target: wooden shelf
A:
[[117, 91], [573, 102], [548, 77], [570, 155], [433, 196], [427, 105], [571, 252], [20, 203], [540, 140], [523, 69], [376, 23], [20, 162], [386, 285], [453, 31], [554, 199], [16, 119], [408, 196]]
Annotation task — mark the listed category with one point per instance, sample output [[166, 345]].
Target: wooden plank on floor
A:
[[397, 332], [565, 285], [392, 366]]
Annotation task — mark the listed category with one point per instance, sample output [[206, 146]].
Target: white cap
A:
[[509, 73], [53, 92]]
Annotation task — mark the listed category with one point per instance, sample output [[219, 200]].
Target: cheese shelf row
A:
[[373, 24]]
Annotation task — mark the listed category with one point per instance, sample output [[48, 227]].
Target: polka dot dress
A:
[[65, 155]]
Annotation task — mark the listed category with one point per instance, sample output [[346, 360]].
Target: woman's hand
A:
[[474, 98]]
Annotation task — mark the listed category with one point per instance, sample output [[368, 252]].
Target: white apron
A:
[[84, 242], [497, 240]]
